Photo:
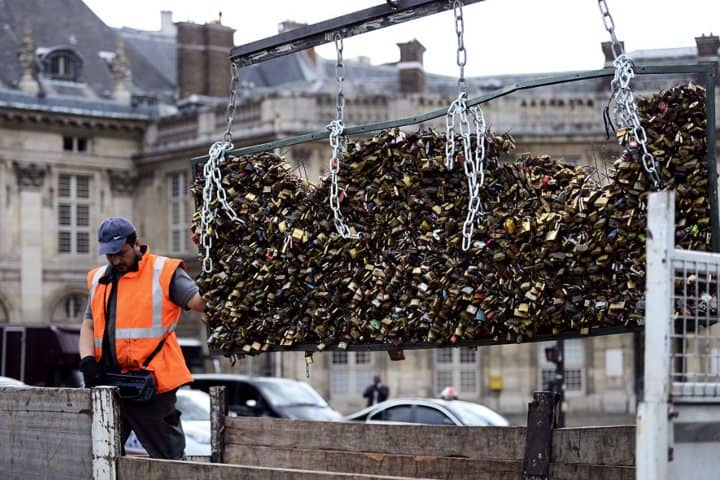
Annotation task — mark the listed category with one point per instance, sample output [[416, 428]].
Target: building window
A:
[[362, 358], [573, 379], [468, 381], [179, 219], [467, 355], [62, 64], [70, 309], [443, 378], [339, 358], [351, 373], [62, 67], [458, 368], [444, 355], [574, 366], [73, 214], [76, 144], [339, 383]]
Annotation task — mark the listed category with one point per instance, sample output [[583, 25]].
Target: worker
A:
[[133, 308]]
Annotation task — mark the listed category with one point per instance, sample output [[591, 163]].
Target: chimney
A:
[[608, 52], [707, 46], [410, 67], [203, 66], [288, 25], [167, 27]]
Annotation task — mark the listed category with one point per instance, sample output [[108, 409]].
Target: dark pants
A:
[[156, 424]]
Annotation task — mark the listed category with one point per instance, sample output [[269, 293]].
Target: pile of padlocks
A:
[[556, 248]]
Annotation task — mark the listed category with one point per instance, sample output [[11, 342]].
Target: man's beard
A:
[[136, 264], [132, 268]]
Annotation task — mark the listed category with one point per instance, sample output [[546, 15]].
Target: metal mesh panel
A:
[[695, 331]]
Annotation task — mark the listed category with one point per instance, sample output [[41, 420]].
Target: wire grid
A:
[[695, 330]]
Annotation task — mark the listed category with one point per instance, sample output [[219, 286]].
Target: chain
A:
[[626, 113], [213, 178], [617, 49], [457, 113], [474, 164], [461, 55], [232, 103], [337, 143], [474, 167], [458, 108]]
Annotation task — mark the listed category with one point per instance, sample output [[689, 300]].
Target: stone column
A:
[[30, 177]]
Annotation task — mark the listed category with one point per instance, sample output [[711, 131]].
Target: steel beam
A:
[[356, 23]]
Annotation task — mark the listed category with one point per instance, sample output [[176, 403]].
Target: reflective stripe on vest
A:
[[156, 330], [96, 279]]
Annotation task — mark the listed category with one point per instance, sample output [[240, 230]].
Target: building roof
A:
[[79, 29], [153, 62], [156, 48], [67, 104]]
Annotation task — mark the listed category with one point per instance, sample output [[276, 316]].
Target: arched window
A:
[[70, 309], [62, 64]]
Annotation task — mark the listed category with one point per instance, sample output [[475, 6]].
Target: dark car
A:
[[268, 396], [430, 411]]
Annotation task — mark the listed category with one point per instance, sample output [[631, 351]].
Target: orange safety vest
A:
[[144, 314]]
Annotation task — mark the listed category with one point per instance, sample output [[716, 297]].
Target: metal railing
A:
[[682, 350], [694, 330]]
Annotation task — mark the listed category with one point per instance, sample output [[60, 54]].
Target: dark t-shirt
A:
[[182, 289]]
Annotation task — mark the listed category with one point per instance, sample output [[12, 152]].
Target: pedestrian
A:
[[134, 305], [377, 392]]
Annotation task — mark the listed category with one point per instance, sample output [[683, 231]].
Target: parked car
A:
[[11, 382], [195, 418], [430, 411], [268, 397]]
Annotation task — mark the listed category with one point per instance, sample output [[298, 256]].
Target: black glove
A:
[[92, 373]]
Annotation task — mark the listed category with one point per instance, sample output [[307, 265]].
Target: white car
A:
[[11, 382], [430, 411], [195, 418]]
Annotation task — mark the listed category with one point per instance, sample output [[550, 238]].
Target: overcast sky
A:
[[502, 36]]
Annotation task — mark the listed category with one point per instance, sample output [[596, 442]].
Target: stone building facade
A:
[[97, 122]]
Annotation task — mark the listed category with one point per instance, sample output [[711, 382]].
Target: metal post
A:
[[653, 424], [105, 433], [710, 84], [538, 440], [218, 412]]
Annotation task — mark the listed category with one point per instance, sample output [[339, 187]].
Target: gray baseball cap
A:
[[113, 233]]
